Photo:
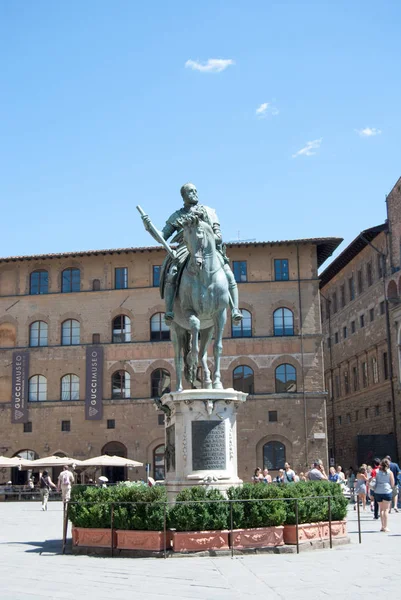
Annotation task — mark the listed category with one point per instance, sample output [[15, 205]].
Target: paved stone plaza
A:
[[31, 567]]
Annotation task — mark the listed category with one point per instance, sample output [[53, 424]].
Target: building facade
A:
[[361, 319], [57, 312]]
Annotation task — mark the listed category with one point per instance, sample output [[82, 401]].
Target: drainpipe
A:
[[331, 378], [302, 358]]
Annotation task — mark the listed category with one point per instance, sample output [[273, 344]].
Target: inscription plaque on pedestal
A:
[[208, 445]]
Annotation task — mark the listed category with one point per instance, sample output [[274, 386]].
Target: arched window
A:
[[71, 280], [392, 291], [283, 320], [159, 470], [121, 329], [160, 383], [286, 379], [70, 387], [37, 388], [159, 332], [70, 333], [19, 476], [244, 328], [274, 456], [121, 385], [243, 380], [96, 285], [39, 282], [38, 334]]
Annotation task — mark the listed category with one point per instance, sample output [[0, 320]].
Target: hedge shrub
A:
[[312, 509], [199, 515], [268, 511]]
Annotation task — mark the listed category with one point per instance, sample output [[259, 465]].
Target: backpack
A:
[[65, 478]]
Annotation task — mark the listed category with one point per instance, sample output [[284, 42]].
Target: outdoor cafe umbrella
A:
[[15, 461], [54, 461], [109, 461]]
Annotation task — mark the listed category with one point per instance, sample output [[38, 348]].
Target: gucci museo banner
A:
[[19, 399], [94, 383]]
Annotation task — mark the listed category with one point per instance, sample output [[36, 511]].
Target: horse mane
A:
[[193, 218]]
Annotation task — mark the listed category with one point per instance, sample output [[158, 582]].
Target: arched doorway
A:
[[159, 470], [19, 476], [115, 474]]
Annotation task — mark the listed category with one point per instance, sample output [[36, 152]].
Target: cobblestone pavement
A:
[[31, 567]]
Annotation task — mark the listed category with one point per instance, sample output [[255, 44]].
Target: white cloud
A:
[[368, 131], [212, 65], [266, 108], [310, 148]]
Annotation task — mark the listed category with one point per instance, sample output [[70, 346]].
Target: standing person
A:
[[334, 476], [45, 483], [266, 477], [257, 476], [384, 491], [376, 467], [65, 481], [351, 483], [341, 476], [395, 469], [360, 487], [317, 472], [289, 474], [280, 477]]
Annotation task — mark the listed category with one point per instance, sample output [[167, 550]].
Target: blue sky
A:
[[105, 105]]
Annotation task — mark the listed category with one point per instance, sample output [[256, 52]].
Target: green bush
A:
[[93, 508], [268, 511], [199, 515], [312, 509]]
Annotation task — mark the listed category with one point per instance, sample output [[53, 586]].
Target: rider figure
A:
[[190, 196]]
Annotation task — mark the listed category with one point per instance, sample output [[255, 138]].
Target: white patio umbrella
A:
[[109, 461], [54, 461], [15, 461]]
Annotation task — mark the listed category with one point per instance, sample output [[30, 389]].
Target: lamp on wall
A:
[[46, 447]]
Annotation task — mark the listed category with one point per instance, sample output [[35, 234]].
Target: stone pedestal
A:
[[201, 439]]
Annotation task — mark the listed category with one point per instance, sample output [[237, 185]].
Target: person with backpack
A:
[[45, 483], [65, 481]]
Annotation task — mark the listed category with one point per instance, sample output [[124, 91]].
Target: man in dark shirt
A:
[[395, 469]]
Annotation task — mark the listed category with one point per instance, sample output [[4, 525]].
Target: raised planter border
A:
[[314, 532]]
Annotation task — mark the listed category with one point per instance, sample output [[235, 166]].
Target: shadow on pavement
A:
[[46, 546]]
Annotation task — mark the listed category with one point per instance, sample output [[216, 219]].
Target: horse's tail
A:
[[186, 350]]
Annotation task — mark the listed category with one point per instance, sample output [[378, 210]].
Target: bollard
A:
[[359, 520], [330, 534], [296, 523], [111, 530], [231, 527]]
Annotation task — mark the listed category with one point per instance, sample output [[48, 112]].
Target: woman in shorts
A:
[[384, 491]]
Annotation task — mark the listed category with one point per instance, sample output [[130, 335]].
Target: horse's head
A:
[[197, 236]]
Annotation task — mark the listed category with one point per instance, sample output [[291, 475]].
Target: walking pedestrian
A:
[[395, 469], [289, 474], [45, 484], [372, 487], [65, 481], [384, 491], [360, 486]]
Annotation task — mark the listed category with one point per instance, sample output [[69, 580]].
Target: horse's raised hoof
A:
[[208, 385], [218, 385]]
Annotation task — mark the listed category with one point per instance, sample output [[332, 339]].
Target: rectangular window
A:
[[371, 314], [366, 413], [111, 424], [281, 272], [337, 386], [121, 278], [345, 333], [369, 274], [346, 383], [388, 406], [160, 419], [364, 374], [362, 321], [355, 383], [336, 337], [39, 282], [272, 416], [65, 425], [329, 342], [342, 294], [375, 370], [156, 275], [351, 288], [335, 307], [348, 418], [240, 271], [377, 410], [380, 266], [357, 415], [28, 427], [353, 327], [385, 365], [95, 338], [327, 308], [339, 419], [360, 281], [382, 308]]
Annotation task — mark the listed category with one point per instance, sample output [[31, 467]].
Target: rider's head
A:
[[189, 194]]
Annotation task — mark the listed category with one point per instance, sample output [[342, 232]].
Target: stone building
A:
[[60, 314], [361, 318]]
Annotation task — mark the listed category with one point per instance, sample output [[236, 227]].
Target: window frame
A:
[[282, 318], [123, 273], [41, 325], [40, 284], [37, 380], [280, 273], [154, 384], [69, 335], [125, 330], [163, 333], [240, 327], [156, 275], [240, 274], [123, 387], [278, 453], [73, 387], [73, 285], [276, 380], [246, 388]]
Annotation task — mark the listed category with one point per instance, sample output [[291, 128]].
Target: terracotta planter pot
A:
[[142, 540], [98, 538], [196, 541], [259, 537], [310, 532]]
